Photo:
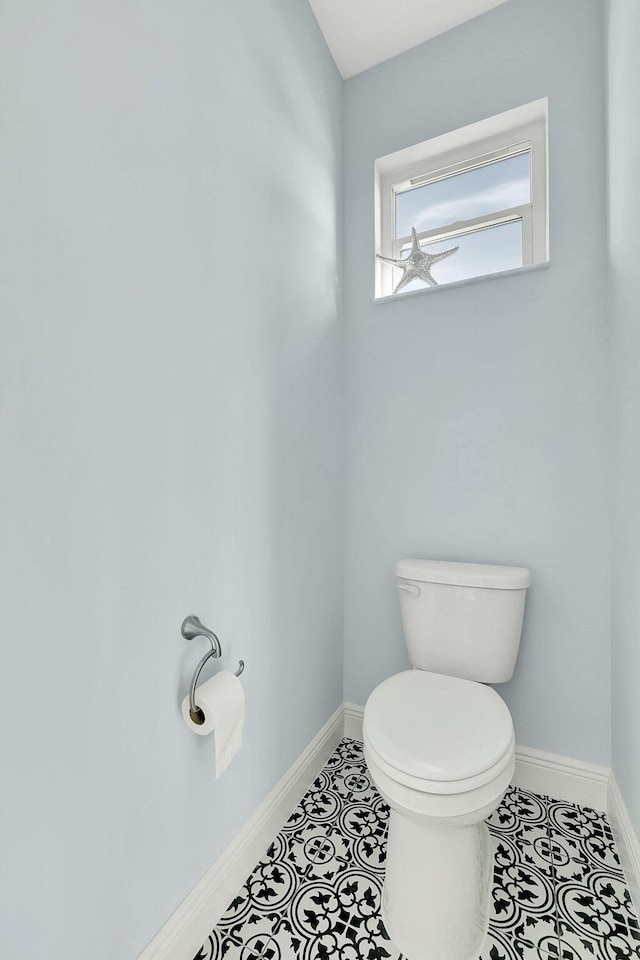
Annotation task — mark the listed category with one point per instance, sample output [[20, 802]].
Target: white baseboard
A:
[[353, 713], [626, 839], [186, 930], [547, 773], [561, 778]]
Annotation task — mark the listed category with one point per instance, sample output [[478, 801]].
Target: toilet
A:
[[440, 747]]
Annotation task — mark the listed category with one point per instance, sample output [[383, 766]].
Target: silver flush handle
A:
[[409, 588]]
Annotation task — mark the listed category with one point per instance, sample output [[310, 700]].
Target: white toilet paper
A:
[[221, 699]]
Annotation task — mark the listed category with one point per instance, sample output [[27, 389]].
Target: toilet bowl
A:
[[441, 751]]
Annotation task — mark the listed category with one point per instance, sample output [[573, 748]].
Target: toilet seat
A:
[[438, 734]]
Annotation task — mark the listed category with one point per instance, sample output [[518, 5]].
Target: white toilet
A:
[[440, 748]]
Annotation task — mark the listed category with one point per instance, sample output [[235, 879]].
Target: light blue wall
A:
[[170, 429], [478, 415], [623, 21]]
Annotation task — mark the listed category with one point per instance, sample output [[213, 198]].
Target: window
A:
[[477, 195]]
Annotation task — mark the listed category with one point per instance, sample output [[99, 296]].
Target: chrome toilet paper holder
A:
[[193, 627]]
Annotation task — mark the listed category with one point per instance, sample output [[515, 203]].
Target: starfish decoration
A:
[[418, 264]]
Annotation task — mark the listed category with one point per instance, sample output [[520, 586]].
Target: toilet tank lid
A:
[[464, 574]]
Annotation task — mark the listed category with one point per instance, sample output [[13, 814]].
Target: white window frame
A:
[[506, 135]]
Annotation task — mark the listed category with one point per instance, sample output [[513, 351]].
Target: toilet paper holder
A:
[[193, 627]]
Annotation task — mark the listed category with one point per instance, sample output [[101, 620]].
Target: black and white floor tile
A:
[[558, 889]]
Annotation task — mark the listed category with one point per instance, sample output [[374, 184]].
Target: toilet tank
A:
[[462, 619]]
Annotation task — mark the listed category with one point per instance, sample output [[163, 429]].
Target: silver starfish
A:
[[418, 264]]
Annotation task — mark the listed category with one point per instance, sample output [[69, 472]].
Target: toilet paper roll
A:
[[221, 699]]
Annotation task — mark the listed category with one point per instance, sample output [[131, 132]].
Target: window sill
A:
[[406, 295]]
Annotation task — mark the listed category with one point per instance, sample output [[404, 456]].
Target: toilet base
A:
[[437, 888]]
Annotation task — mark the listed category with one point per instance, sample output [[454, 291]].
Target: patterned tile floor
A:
[[558, 890]]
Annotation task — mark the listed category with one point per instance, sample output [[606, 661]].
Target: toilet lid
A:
[[438, 728]]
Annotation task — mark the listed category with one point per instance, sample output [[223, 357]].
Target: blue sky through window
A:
[[463, 196]]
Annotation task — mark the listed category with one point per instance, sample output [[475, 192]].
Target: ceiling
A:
[[362, 33]]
